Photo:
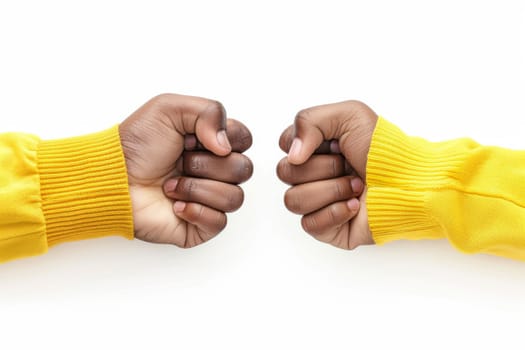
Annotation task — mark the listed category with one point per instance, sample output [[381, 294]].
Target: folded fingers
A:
[[205, 222], [326, 223], [318, 167], [235, 168], [217, 195], [309, 197]]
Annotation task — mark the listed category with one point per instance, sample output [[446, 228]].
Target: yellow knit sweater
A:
[[473, 195], [71, 189], [63, 190]]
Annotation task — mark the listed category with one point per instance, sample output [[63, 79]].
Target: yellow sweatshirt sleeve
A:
[[471, 194], [61, 190]]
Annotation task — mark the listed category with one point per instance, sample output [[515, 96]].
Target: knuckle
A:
[[246, 170], [241, 167], [161, 98], [303, 115], [222, 221], [292, 201], [234, 199], [356, 107], [284, 170], [195, 163], [335, 164], [195, 212], [338, 191], [187, 186], [357, 104], [342, 188], [334, 212], [284, 142], [309, 224], [215, 106], [243, 136], [286, 138]]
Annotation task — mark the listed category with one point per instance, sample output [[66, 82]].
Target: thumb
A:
[[210, 129], [200, 116], [352, 123]]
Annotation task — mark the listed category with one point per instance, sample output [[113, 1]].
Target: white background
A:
[[440, 70]]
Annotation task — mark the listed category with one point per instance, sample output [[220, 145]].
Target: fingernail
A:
[[172, 185], [179, 206], [334, 147], [222, 139], [190, 142], [357, 185], [295, 148], [353, 204]]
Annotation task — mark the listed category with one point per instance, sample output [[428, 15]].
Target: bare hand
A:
[[327, 150], [184, 161]]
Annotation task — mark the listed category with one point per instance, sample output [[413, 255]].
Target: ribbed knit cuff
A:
[[402, 172], [400, 214], [401, 161], [84, 187]]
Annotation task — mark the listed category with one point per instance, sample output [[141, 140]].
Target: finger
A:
[[195, 115], [286, 139], [235, 168], [337, 214], [191, 143], [337, 121], [238, 134], [208, 222], [318, 167], [214, 194], [310, 197]]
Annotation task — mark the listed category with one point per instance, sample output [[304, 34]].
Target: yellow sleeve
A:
[[61, 190], [471, 194]]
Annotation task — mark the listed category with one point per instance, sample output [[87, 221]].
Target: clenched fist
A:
[[184, 162], [327, 150]]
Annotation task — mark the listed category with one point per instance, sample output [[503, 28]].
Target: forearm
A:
[[22, 225], [61, 190], [471, 194]]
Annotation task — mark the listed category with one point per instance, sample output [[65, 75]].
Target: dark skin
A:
[[327, 149], [185, 163]]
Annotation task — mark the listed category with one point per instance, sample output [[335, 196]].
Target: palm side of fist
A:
[[185, 162], [327, 149]]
